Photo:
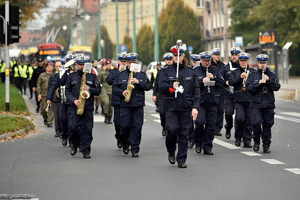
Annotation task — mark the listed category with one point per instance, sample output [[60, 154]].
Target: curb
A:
[[21, 132]]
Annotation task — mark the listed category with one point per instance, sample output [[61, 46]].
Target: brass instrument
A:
[[83, 95], [208, 88], [129, 89], [245, 79]]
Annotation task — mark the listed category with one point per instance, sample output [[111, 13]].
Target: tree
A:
[[108, 48], [61, 17], [145, 44], [128, 42], [178, 21], [29, 8]]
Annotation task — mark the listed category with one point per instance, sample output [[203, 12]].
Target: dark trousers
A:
[[162, 112], [63, 120], [179, 125], [220, 114], [206, 126], [30, 88], [58, 130], [262, 120], [131, 122], [242, 122], [229, 110], [117, 123], [37, 102], [81, 129], [2, 75]]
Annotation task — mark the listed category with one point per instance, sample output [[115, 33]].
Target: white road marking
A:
[[293, 170], [149, 104], [291, 119], [98, 118], [225, 144], [156, 116], [250, 153], [294, 114], [273, 161], [157, 121]]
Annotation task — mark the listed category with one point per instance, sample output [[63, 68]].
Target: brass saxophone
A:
[[83, 95], [130, 87]]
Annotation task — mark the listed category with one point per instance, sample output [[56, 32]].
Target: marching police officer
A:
[[216, 60], [262, 83], [81, 124], [210, 82], [116, 95], [42, 88], [156, 96], [232, 65], [242, 101], [179, 91], [132, 109]]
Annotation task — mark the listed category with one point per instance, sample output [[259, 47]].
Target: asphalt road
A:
[[40, 165]]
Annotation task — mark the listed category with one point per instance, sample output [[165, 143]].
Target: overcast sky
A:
[[41, 19]]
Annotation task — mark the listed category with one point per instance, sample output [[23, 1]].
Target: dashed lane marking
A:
[[291, 119], [157, 121], [156, 116], [98, 118], [273, 161], [250, 153], [294, 114], [293, 170], [225, 144]]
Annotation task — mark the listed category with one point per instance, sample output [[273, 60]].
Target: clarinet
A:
[[208, 87]]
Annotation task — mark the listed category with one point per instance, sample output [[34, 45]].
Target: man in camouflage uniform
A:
[[106, 92], [42, 88]]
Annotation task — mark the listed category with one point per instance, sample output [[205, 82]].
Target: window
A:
[[200, 3]]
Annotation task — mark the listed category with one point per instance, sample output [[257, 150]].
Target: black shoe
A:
[[182, 165], [266, 149], [73, 151], [191, 144], [49, 126], [171, 158], [256, 147], [198, 149], [218, 134], [125, 149], [119, 144], [237, 143], [86, 156], [64, 142], [208, 152], [228, 134], [247, 144], [57, 134], [164, 132], [134, 154]]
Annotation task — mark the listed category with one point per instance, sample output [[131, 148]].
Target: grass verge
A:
[[14, 123], [17, 103]]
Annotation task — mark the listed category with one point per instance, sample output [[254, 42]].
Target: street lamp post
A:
[[117, 28], [156, 45], [134, 26]]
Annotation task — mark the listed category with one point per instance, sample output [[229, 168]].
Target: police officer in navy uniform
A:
[[116, 95], [232, 65], [168, 58], [81, 125], [210, 82], [132, 112], [216, 60], [181, 96], [262, 83], [242, 101]]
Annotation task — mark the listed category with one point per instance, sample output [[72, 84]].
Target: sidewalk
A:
[[290, 90]]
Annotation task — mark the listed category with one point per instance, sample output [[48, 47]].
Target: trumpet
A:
[[208, 87], [245, 79]]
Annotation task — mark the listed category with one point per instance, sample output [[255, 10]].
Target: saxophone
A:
[[83, 95], [130, 87]]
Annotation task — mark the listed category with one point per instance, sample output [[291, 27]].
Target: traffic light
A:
[[14, 25]]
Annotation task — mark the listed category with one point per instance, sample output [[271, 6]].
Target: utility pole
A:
[[6, 21], [117, 28], [99, 50], [156, 39], [134, 26]]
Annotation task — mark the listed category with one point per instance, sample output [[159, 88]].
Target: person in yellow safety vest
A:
[[16, 75], [21, 75], [2, 71], [31, 68]]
